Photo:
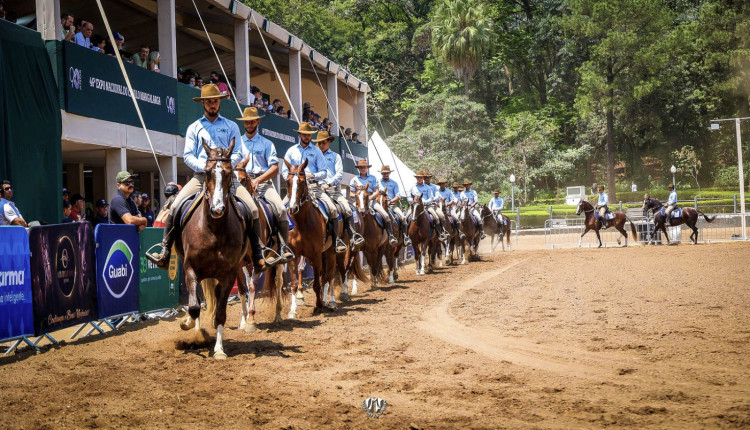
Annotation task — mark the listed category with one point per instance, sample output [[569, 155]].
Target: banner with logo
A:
[[16, 311], [117, 269], [63, 283], [159, 288], [350, 154]]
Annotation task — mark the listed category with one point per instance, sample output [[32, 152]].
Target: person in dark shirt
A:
[[77, 203], [102, 209], [66, 212], [122, 209], [145, 209]]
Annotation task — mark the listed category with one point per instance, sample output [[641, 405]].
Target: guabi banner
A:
[[16, 311], [159, 288], [117, 269], [63, 283]]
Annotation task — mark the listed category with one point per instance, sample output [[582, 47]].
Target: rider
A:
[[470, 197], [671, 205], [601, 205], [364, 179], [442, 193], [217, 132], [425, 191], [496, 206], [391, 189], [263, 165], [332, 184], [315, 173], [433, 201]]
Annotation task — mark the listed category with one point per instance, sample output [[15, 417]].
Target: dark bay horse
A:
[[391, 256], [495, 229], [211, 245], [592, 223], [470, 244], [423, 236], [689, 217], [375, 237], [308, 238]]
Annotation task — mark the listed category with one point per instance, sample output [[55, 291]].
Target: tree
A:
[[688, 162], [461, 35]]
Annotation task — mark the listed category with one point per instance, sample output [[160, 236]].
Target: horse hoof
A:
[[187, 325], [251, 328], [345, 298], [300, 295], [292, 316], [219, 355], [323, 309]]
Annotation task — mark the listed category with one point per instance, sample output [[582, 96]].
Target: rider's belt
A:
[[255, 175], [199, 176]]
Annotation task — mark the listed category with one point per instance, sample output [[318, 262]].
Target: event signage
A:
[[350, 154], [62, 276], [159, 288], [16, 312], [116, 269], [95, 87]]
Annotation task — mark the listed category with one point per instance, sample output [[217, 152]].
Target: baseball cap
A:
[[355, 134], [121, 176], [117, 36], [65, 191], [101, 203], [145, 196], [307, 105], [171, 190]]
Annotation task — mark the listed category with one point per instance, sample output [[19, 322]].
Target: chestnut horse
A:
[[494, 228], [212, 245], [375, 237], [308, 238], [689, 217], [423, 236], [391, 256], [591, 223], [469, 228]]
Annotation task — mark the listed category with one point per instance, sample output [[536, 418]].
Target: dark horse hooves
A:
[[323, 309]]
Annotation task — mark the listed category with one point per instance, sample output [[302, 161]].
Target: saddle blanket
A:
[[609, 215], [676, 213], [379, 220], [266, 208], [323, 208]]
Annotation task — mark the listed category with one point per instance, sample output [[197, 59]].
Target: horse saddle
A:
[[476, 221], [185, 210], [500, 219], [676, 213], [395, 218], [609, 215], [379, 220], [325, 210], [266, 208]]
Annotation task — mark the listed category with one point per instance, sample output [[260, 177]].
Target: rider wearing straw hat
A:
[[364, 179], [218, 132], [391, 190], [440, 192], [496, 206], [421, 188], [456, 199], [263, 165], [332, 184], [316, 173], [470, 197]]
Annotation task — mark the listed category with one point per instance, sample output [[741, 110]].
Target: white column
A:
[[333, 98], [295, 81], [360, 115], [167, 37], [48, 18], [242, 60], [116, 160], [168, 166]]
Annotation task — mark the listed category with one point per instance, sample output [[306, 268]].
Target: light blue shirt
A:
[[496, 203], [603, 199], [469, 196], [445, 194], [82, 41], [217, 134], [368, 181], [456, 195], [672, 198], [392, 190], [262, 154], [316, 163], [423, 190], [334, 168]]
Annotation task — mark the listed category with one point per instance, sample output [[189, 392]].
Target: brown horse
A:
[[592, 223], [470, 243], [212, 245], [391, 256], [423, 236], [309, 238], [689, 217], [375, 237], [494, 228], [246, 278]]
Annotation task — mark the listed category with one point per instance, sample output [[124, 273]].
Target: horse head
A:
[[416, 208], [361, 198], [296, 182], [218, 177], [382, 198], [583, 206]]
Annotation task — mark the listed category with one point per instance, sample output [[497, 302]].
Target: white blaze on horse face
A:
[[295, 180], [217, 199], [361, 196]]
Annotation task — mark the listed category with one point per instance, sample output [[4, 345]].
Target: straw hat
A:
[[461, 188], [496, 191], [249, 114], [442, 181], [427, 174], [419, 173], [600, 187], [385, 169], [323, 135], [671, 186], [210, 91], [306, 128], [467, 182], [363, 163], [455, 185]]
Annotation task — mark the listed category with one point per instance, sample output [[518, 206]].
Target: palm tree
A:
[[461, 34]]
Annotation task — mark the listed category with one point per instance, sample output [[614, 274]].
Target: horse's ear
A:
[[205, 146], [243, 163], [288, 166], [304, 164], [231, 146]]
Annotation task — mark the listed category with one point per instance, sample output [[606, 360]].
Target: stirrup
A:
[[339, 244], [407, 241], [161, 259], [285, 250], [270, 256], [392, 240], [357, 239], [260, 266]]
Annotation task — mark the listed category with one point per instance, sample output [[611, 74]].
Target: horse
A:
[[308, 238], [494, 228], [592, 223], [375, 237], [470, 230], [391, 256], [246, 278], [689, 217], [212, 244], [421, 233]]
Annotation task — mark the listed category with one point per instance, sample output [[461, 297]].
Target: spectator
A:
[[306, 109], [140, 58], [98, 43], [77, 203], [67, 29], [198, 82], [326, 125], [119, 42], [170, 193], [122, 209], [83, 38], [102, 207], [65, 194], [145, 209], [355, 139], [275, 105], [220, 82], [191, 81], [179, 74], [254, 95], [136, 196], [348, 135], [9, 214], [154, 59], [66, 212], [280, 111]]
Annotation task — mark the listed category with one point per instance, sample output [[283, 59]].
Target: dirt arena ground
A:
[[655, 337]]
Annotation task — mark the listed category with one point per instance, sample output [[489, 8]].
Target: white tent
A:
[[377, 150]]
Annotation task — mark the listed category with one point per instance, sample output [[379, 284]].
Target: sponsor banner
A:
[[159, 289], [16, 309], [63, 282], [117, 269], [95, 87], [349, 158]]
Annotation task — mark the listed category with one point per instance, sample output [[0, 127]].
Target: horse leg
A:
[[294, 275], [194, 307], [222, 296], [300, 287], [622, 231], [599, 238], [694, 233], [317, 264], [391, 266], [580, 239]]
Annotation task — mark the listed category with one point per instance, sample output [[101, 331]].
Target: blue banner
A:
[[117, 278], [16, 310]]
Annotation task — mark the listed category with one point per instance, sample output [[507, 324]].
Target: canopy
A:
[[378, 153]]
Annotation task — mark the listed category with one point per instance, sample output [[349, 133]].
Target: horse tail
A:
[[357, 269], [273, 281], [209, 292], [632, 229], [706, 217], [376, 267]]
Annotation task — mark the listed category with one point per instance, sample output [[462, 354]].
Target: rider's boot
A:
[[481, 231], [253, 234], [357, 239], [442, 234], [286, 253], [161, 260], [407, 239], [389, 228], [338, 244]]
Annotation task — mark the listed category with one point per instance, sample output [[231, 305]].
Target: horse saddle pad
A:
[[609, 215], [266, 208], [429, 217], [187, 207], [452, 221], [325, 210], [476, 221], [379, 220], [395, 218], [676, 213]]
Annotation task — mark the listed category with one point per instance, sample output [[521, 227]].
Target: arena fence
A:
[[566, 232]]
